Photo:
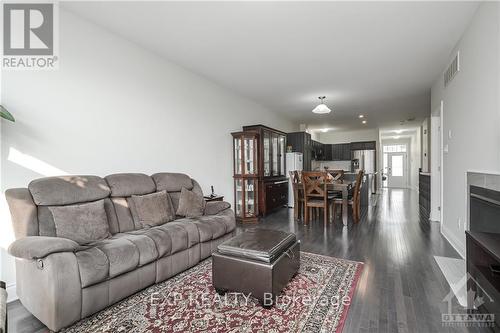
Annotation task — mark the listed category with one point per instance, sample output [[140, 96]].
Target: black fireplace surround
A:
[[483, 253], [484, 210]]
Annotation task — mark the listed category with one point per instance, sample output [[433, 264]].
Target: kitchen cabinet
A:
[[271, 161], [346, 152], [364, 145], [301, 142], [318, 151], [338, 152]]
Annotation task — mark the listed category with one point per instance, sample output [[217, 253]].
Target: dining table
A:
[[343, 186]]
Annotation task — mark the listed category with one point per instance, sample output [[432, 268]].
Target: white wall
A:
[[115, 107], [471, 115], [426, 139], [435, 159], [415, 158]]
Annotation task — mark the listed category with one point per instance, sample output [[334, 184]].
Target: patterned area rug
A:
[[316, 300]]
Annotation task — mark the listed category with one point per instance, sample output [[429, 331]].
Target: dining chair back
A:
[[315, 184], [354, 199], [337, 174]]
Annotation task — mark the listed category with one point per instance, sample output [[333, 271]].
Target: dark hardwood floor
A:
[[401, 288]]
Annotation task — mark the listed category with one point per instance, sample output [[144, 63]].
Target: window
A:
[[394, 148]]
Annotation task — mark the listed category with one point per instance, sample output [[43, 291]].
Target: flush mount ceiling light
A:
[[364, 121], [361, 116], [321, 108]]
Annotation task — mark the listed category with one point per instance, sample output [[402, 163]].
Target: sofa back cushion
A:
[[123, 186], [128, 184], [67, 190], [30, 208], [173, 183], [191, 204], [150, 210], [92, 222], [57, 191]]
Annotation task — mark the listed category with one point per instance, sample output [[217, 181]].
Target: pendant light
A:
[[321, 108]]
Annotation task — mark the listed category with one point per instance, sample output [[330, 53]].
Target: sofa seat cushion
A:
[[210, 227], [215, 226], [93, 265], [227, 216], [191, 229], [161, 238], [178, 234], [123, 255], [144, 244]]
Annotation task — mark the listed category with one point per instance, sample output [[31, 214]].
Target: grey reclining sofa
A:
[[60, 281]]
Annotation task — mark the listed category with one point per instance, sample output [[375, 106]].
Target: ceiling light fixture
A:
[[398, 131], [361, 116], [364, 121], [324, 130], [321, 108]]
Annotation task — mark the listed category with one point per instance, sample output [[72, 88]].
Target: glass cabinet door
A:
[[237, 156], [250, 156], [267, 154], [238, 188], [275, 154], [250, 198], [282, 155]]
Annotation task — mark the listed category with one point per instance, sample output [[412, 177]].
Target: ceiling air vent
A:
[[452, 70]]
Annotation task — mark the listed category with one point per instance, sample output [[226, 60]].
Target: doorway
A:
[[395, 166]]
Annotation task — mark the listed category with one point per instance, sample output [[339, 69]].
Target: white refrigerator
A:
[[294, 162]]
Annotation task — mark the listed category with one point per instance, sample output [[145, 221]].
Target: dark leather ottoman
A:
[[259, 262]]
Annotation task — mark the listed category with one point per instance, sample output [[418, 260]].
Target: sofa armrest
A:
[[215, 207], [35, 247]]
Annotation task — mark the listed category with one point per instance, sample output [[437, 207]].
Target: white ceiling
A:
[[378, 59]]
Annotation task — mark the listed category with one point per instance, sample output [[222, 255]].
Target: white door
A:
[[396, 170]]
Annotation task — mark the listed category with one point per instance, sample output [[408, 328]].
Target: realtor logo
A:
[[29, 36]]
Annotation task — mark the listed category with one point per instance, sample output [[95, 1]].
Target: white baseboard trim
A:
[[11, 293], [453, 241]]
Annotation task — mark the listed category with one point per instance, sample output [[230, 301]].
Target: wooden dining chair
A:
[[354, 198], [337, 174], [316, 196], [298, 196]]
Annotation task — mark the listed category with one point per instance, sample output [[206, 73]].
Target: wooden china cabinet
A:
[[272, 184], [246, 175]]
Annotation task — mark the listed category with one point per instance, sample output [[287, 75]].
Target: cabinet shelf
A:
[[246, 173], [270, 160]]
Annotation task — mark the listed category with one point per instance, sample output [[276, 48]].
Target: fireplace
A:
[[483, 246], [484, 210]]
